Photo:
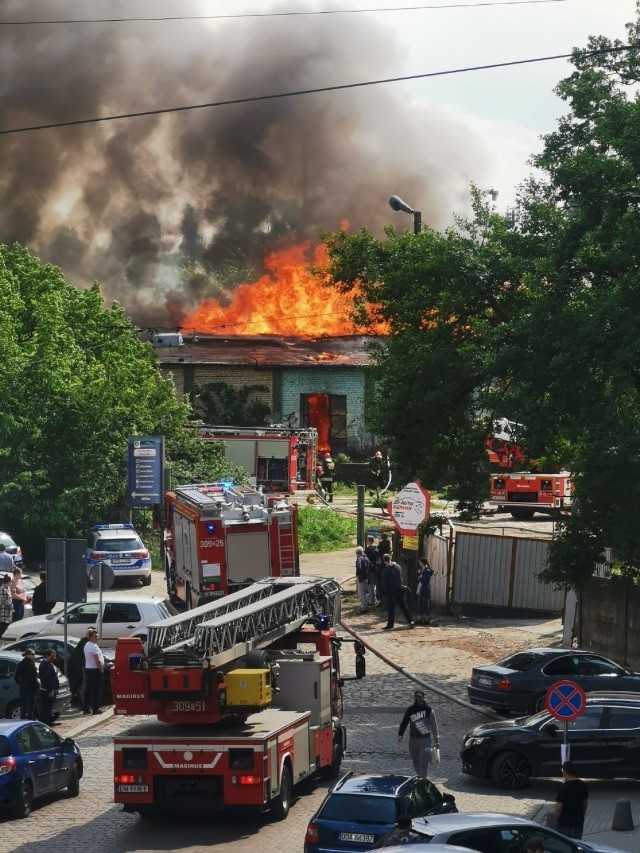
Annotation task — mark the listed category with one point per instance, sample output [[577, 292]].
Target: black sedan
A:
[[75, 668], [604, 743], [519, 683], [363, 807]]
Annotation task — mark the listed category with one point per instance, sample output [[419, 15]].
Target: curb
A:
[[88, 722]]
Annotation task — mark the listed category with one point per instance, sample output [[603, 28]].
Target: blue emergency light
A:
[[113, 526]]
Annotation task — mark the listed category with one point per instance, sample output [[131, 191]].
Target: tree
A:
[[536, 322], [76, 383]]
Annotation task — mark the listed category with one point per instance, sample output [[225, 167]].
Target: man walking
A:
[[371, 553], [423, 733], [93, 669], [39, 604], [392, 587], [363, 573], [571, 802]]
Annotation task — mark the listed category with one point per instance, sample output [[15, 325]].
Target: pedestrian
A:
[[93, 669], [6, 605], [39, 604], [402, 833], [363, 578], [6, 560], [534, 845], [571, 802], [328, 474], [26, 677], [18, 594], [371, 553], [425, 573], [393, 588], [423, 733], [49, 684], [76, 672]]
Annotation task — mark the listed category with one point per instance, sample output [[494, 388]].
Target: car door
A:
[[79, 618], [598, 673], [39, 761], [59, 763], [120, 619], [622, 736], [586, 740]]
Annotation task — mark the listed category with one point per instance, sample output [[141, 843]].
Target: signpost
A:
[[102, 576], [145, 470], [66, 561], [410, 507], [565, 700]]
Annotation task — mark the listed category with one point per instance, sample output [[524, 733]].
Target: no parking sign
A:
[[565, 700]]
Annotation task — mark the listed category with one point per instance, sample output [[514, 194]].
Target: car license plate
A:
[[132, 789], [359, 837], [120, 562], [482, 679]]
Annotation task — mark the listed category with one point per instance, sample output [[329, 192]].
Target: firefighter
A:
[[318, 480], [378, 471], [328, 473]]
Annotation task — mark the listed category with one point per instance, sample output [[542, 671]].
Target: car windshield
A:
[[534, 719], [168, 607], [130, 544], [7, 541], [359, 808], [520, 662]]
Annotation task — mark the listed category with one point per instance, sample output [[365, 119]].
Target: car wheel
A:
[[21, 806], [73, 788], [12, 711], [331, 771], [510, 770], [538, 704], [146, 581], [282, 803]]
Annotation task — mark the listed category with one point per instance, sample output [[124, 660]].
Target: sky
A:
[[125, 202]]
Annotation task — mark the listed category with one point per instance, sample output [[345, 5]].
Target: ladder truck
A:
[[219, 537], [246, 693]]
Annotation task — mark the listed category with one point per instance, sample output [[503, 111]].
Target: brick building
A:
[[326, 383]]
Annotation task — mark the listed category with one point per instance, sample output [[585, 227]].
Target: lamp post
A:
[[398, 204]]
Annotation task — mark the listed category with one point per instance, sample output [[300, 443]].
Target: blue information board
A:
[[145, 466]]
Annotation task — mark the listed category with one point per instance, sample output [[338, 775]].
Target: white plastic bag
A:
[[435, 755]]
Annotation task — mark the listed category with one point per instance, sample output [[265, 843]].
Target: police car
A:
[[119, 546]]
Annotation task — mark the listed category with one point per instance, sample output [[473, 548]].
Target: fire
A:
[[287, 300]]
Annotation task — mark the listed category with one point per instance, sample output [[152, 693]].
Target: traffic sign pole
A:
[[566, 701]]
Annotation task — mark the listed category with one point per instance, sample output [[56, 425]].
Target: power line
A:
[[431, 7], [298, 92]]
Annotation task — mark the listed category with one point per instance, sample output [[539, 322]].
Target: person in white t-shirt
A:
[[93, 669]]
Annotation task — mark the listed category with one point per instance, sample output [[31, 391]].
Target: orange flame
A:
[[286, 300]]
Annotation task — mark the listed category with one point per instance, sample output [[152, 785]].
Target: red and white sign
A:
[[410, 507]]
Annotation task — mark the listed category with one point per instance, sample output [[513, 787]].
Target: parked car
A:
[[604, 742], [119, 546], [520, 682], [122, 616], [363, 807], [10, 693], [74, 670], [492, 833], [35, 760], [11, 548]]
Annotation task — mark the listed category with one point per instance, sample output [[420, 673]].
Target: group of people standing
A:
[[380, 579], [13, 594]]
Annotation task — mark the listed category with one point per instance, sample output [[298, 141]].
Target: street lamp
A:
[[397, 204]]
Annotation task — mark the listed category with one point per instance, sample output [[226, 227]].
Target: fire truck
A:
[[522, 494], [219, 537], [247, 696], [278, 458]]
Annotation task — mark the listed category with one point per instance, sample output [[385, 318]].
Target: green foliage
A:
[[535, 321], [76, 383], [222, 404], [322, 530]]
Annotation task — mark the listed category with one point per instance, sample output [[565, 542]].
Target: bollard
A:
[[622, 817]]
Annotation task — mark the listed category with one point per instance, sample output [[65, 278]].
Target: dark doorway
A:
[[328, 414]]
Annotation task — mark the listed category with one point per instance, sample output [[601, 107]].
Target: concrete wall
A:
[[609, 620]]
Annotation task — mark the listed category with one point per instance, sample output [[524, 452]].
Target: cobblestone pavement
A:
[[373, 709]]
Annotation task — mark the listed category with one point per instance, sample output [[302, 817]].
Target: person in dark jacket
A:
[[39, 604], [49, 684], [393, 588], [26, 677], [423, 726], [383, 547]]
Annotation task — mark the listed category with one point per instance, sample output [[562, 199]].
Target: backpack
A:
[[363, 568]]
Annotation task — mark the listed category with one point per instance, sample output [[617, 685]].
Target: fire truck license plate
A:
[[132, 789], [356, 836]]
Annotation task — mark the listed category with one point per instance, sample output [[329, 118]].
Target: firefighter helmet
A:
[[327, 456], [377, 455]]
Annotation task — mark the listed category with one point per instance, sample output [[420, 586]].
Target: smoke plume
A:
[[127, 202]]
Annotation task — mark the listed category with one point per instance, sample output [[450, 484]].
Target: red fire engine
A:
[[220, 537], [523, 494], [276, 457], [247, 695]]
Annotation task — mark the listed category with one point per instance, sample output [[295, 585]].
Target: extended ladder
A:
[[248, 619]]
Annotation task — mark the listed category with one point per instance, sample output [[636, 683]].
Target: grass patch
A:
[[324, 530]]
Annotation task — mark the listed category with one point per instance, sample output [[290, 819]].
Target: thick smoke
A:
[[127, 202]]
